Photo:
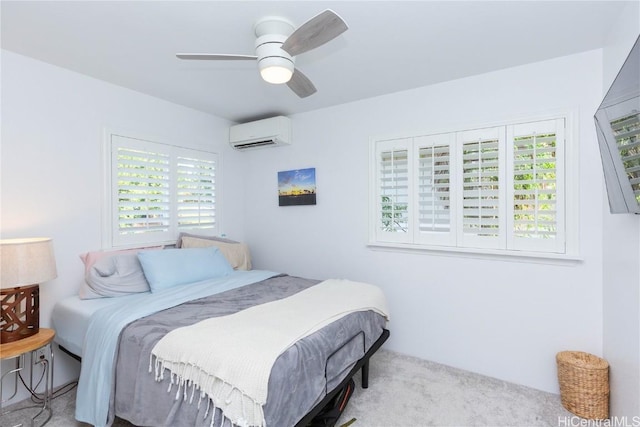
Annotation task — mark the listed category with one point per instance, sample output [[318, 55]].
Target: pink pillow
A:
[[90, 258]]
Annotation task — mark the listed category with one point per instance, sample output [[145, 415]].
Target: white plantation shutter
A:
[[482, 209], [196, 192], [140, 183], [158, 190], [394, 190], [537, 190], [498, 190], [435, 178]]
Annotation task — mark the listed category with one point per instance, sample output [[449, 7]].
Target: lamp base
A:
[[20, 313]]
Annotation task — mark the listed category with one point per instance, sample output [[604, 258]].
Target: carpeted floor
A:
[[405, 392]]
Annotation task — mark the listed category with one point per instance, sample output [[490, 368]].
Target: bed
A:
[[116, 379]]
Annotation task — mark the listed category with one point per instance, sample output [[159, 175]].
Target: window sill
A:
[[504, 255]]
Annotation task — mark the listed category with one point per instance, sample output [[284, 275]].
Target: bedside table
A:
[[18, 350]]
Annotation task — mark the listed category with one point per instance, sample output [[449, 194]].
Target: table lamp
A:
[[24, 263]]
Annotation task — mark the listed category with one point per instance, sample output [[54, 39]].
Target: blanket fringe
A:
[[183, 376]]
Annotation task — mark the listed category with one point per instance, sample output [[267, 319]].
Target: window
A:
[[500, 188], [158, 190]]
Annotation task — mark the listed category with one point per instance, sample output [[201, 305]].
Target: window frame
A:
[[109, 217], [570, 195]]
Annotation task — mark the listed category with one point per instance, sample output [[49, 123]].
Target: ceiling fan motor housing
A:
[[276, 66]]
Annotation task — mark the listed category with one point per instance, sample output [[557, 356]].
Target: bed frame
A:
[[363, 364]]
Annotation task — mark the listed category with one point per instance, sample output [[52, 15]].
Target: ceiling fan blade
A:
[[301, 85], [315, 32], [214, 56]]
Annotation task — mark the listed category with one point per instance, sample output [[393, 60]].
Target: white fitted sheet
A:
[[70, 319]]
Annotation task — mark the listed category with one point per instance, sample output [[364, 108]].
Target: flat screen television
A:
[[618, 128]]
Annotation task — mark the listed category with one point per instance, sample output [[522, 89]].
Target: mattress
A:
[[70, 319]]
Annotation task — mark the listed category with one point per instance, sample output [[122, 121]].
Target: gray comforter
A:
[[297, 382]]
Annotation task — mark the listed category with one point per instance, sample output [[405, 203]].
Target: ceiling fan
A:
[[278, 42]]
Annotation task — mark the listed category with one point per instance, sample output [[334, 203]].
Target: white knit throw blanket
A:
[[227, 360]]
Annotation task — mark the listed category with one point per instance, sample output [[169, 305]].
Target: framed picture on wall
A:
[[297, 187]]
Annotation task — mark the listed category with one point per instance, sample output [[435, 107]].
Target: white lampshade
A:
[[276, 70], [26, 262]]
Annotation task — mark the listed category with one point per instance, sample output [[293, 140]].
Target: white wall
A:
[[500, 318], [51, 162], [621, 258]]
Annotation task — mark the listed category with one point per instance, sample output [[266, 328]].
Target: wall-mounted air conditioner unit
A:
[[261, 133]]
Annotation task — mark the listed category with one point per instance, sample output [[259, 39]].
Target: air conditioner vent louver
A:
[[263, 143], [261, 133]]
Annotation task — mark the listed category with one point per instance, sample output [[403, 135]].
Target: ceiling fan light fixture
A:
[[276, 70], [276, 75]]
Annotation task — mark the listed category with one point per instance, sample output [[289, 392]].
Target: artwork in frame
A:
[[297, 187]]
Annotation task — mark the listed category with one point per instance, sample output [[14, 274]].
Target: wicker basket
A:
[[584, 384]]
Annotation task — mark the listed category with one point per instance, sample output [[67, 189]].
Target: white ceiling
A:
[[390, 45]]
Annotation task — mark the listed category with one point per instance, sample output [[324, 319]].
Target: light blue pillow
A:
[[174, 267]]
